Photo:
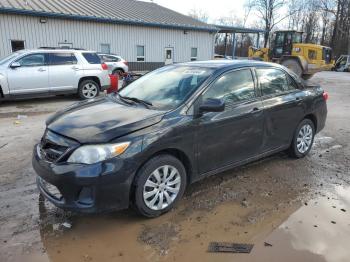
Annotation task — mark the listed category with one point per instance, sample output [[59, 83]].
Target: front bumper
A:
[[103, 186]]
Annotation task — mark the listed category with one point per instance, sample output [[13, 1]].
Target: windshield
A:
[[8, 58], [297, 38], [167, 87]]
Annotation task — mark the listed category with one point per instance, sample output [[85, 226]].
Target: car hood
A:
[[101, 120]]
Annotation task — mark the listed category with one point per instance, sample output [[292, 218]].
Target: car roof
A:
[[49, 50], [222, 64]]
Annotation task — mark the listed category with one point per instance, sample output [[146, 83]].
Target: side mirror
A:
[[15, 65], [212, 105]]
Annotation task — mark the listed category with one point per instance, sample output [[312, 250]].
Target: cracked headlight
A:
[[91, 154]]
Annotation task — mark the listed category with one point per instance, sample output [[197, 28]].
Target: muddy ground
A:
[[291, 210]]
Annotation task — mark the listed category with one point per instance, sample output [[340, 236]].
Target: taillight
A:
[[125, 63], [325, 96], [104, 66]]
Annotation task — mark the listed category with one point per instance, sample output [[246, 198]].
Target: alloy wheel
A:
[[162, 187], [304, 138], [90, 90]]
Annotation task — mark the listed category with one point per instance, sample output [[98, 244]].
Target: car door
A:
[[64, 71], [30, 76], [227, 137], [283, 106]]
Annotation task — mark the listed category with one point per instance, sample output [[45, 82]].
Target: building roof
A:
[[235, 29], [108, 11]]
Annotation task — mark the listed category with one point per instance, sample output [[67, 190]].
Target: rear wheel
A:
[[303, 139], [118, 72], [88, 89], [160, 183], [294, 66]]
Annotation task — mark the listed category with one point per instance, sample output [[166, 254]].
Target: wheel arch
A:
[[177, 153], [313, 118], [118, 68], [94, 78]]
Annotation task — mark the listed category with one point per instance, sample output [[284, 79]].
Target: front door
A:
[[227, 137], [282, 107], [31, 77], [63, 71], [169, 52]]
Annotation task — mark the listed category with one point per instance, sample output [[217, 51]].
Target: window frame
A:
[[46, 56], [194, 58], [17, 40], [109, 48], [71, 53], [138, 56], [235, 104], [288, 77]]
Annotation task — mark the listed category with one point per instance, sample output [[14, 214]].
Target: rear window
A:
[[92, 58], [62, 59]]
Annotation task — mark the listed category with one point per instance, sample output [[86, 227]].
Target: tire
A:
[[118, 72], [149, 206], [88, 89], [301, 145], [294, 66]]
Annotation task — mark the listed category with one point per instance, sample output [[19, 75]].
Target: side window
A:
[[92, 58], [62, 59], [32, 60], [109, 58], [273, 81], [233, 87]]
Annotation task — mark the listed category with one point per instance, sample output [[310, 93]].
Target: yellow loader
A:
[[288, 49]]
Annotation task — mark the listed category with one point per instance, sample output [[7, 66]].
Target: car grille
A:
[[54, 147]]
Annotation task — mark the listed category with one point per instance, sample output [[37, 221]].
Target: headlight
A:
[[91, 154], [297, 49]]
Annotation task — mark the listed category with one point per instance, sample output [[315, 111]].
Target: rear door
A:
[[283, 106], [63, 71], [223, 138], [31, 77]]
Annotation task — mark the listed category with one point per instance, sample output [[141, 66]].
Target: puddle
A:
[[318, 231]]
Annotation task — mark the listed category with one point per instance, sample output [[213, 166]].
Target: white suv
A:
[[52, 71]]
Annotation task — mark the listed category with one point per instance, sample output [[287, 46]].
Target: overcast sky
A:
[[215, 9]]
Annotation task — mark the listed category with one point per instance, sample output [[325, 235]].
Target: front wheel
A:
[[160, 183], [294, 66], [303, 139]]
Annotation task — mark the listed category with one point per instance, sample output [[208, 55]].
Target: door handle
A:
[[75, 68], [41, 70]]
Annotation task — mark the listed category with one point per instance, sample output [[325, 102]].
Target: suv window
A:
[[274, 81], [233, 87], [62, 59], [92, 58], [32, 60], [109, 58]]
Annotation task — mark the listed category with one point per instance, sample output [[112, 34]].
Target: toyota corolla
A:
[[170, 128]]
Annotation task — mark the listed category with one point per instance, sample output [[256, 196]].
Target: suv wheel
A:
[[303, 139], [118, 72], [160, 183], [88, 89]]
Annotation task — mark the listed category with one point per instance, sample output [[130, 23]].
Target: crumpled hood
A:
[[101, 120]]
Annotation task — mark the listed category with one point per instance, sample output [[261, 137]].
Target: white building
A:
[[146, 34]]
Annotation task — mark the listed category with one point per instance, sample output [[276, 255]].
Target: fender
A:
[[4, 88]]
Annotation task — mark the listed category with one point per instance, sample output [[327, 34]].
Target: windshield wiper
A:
[[139, 101]]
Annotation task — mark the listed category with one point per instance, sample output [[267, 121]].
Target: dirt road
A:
[[291, 210]]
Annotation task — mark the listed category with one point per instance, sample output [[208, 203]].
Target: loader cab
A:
[[282, 42]]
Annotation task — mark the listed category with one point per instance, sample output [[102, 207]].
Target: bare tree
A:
[[199, 14], [268, 11]]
